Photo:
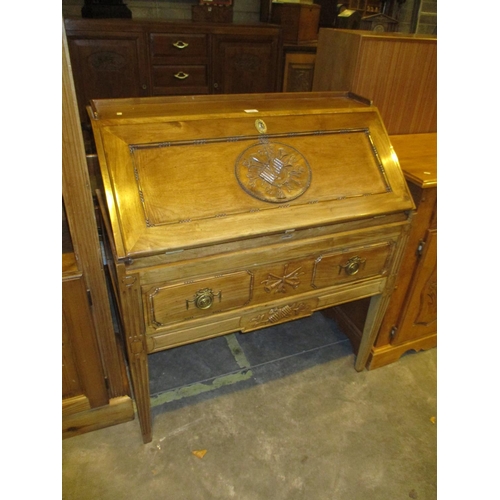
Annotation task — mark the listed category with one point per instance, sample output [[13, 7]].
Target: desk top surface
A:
[[417, 154]]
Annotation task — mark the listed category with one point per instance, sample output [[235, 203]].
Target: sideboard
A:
[[118, 58], [238, 212]]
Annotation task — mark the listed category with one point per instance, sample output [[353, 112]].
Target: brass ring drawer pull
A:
[[352, 266], [204, 299], [181, 75], [180, 44]]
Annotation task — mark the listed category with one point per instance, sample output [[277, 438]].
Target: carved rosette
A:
[[273, 172]]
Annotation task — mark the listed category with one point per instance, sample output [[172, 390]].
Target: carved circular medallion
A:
[[273, 172]]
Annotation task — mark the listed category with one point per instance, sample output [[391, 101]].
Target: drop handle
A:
[[181, 75], [352, 266], [180, 44]]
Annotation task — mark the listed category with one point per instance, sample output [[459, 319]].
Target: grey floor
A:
[[281, 414]]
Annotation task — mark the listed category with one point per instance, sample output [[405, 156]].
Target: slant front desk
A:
[[238, 212]]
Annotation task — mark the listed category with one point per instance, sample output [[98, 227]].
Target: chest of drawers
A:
[[237, 212]]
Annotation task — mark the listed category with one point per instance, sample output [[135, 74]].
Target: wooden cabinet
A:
[[298, 68], [237, 212], [109, 64], [179, 63], [397, 71], [95, 390], [115, 58], [242, 63], [410, 322]]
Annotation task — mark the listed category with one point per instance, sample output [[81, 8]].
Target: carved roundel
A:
[[273, 172]]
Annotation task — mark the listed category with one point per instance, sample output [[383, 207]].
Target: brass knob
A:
[[352, 266], [204, 299], [180, 44]]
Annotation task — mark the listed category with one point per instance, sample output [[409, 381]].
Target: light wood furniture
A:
[[95, 390], [410, 322], [239, 212], [397, 71], [116, 58]]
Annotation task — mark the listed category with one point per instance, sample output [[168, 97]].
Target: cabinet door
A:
[[299, 72], [419, 316], [245, 64], [109, 65], [83, 384]]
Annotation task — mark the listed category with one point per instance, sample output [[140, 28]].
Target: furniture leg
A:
[[137, 351], [372, 324]]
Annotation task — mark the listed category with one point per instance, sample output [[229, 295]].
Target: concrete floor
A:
[[282, 415]]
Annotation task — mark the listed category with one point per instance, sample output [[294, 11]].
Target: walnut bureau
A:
[[237, 212]]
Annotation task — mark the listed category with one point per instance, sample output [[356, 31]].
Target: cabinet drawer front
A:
[[174, 78], [178, 46], [168, 304], [355, 264]]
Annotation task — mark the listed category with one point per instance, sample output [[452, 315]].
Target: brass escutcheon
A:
[[261, 126]]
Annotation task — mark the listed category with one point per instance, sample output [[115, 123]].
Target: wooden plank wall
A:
[[397, 72]]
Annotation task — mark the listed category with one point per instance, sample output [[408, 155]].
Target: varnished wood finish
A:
[[118, 410], [82, 368], [397, 71], [93, 366], [410, 322], [207, 233]]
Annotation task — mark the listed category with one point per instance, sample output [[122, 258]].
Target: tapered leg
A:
[[136, 350], [376, 310]]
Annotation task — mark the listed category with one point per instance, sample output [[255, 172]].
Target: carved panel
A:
[[279, 314], [274, 172]]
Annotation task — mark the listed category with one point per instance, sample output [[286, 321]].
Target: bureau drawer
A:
[[178, 46], [354, 264], [166, 304], [177, 79]]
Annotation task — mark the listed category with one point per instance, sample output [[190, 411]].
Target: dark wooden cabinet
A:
[[241, 63], [114, 58], [109, 64]]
